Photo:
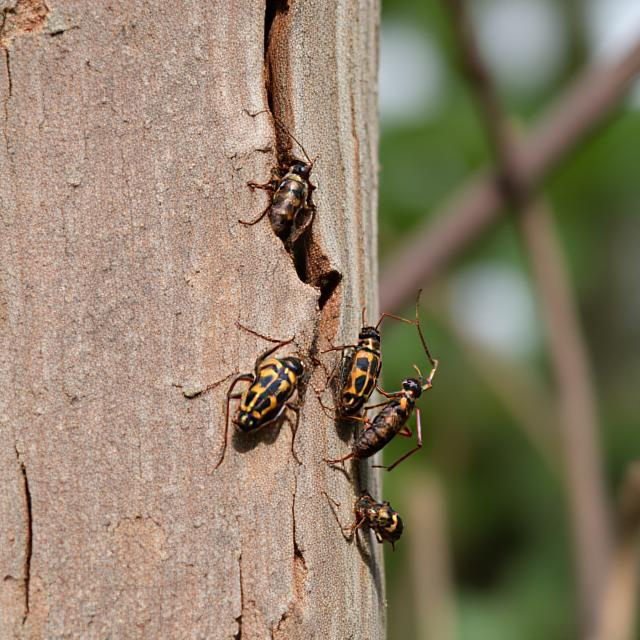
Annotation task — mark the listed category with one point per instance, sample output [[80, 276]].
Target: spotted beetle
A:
[[380, 517], [292, 190], [385, 523], [364, 364], [272, 383]]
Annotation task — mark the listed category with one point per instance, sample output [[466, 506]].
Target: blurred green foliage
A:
[[507, 513]]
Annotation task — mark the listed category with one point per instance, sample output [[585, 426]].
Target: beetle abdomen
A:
[[287, 201], [381, 431]]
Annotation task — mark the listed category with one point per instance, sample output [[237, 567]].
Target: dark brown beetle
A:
[[292, 190]]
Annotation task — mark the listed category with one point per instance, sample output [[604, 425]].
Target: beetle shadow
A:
[[247, 441], [346, 429], [365, 549], [363, 537], [361, 482]]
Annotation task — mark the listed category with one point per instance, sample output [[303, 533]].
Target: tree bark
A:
[[129, 133]]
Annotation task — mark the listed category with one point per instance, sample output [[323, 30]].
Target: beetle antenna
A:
[[284, 128], [433, 361]]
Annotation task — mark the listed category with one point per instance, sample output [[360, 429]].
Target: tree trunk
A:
[[129, 133]]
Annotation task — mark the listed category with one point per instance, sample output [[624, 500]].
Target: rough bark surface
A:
[[129, 133]]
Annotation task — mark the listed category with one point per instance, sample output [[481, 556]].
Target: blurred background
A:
[[520, 510]]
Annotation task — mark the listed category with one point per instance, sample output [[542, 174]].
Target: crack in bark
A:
[[7, 64], [28, 550], [238, 634], [313, 267], [299, 573], [297, 550]]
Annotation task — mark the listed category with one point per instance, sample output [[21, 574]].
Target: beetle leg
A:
[[250, 223], [265, 354], [340, 348], [267, 338], [357, 523], [272, 185], [294, 428], [375, 406], [330, 376], [428, 384], [247, 377], [189, 393], [343, 459], [405, 432], [391, 315], [351, 528], [395, 394], [338, 417], [215, 384], [416, 448], [434, 362]]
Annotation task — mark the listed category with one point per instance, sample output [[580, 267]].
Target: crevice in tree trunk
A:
[[272, 8], [311, 263], [9, 80], [28, 540]]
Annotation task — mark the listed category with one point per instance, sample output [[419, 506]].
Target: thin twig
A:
[[430, 569], [578, 414], [479, 203], [617, 616], [576, 391], [500, 135]]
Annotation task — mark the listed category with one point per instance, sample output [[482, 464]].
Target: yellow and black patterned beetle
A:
[[292, 195], [272, 383], [384, 521], [363, 366], [392, 419]]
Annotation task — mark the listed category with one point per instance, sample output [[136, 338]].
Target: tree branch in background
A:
[[617, 616], [430, 561], [575, 16], [568, 353], [479, 203], [578, 414], [617, 620]]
